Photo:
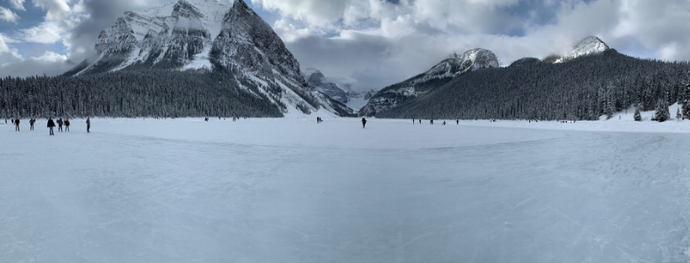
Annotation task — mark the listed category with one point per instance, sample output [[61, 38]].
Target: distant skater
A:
[[51, 125], [457, 122], [444, 122], [88, 124], [364, 123], [31, 122], [60, 122], [420, 121], [431, 121], [67, 124], [16, 124]]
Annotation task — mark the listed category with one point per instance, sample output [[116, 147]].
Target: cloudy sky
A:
[[369, 43]]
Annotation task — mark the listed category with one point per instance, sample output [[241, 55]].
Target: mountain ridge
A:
[[446, 70]]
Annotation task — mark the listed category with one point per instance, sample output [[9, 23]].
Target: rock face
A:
[[319, 81], [353, 99], [205, 35], [588, 46], [469, 61], [438, 75]]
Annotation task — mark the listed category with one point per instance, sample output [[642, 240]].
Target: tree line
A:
[[140, 93]]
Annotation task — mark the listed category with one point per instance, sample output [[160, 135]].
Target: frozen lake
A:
[[289, 190]]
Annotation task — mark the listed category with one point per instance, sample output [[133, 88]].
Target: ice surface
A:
[[289, 190]]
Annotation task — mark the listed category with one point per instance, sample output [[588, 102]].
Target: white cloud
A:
[[315, 12], [7, 15], [288, 32], [49, 63], [17, 4], [50, 56], [57, 9], [3, 46], [46, 33]]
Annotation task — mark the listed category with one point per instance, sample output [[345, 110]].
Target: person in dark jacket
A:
[[67, 124], [31, 122], [364, 122], [59, 122], [88, 124], [51, 125], [16, 124]]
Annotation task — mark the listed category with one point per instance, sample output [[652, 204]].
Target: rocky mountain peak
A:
[[471, 60], [207, 36], [588, 46], [316, 77], [240, 5]]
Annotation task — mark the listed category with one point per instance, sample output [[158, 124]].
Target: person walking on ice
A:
[[67, 124], [364, 123], [31, 122], [16, 124], [88, 124], [59, 122], [51, 125]]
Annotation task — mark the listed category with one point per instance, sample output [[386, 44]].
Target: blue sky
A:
[[368, 43]]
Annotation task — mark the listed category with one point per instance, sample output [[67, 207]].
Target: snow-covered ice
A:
[[289, 190]]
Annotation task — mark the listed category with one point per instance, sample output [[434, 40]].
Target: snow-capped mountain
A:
[[438, 75], [588, 46], [353, 99], [469, 61], [205, 36]]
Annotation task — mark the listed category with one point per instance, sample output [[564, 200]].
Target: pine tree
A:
[[662, 113], [637, 115], [684, 100]]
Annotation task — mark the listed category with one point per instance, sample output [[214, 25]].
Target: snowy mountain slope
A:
[[353, 99], [204, 36], [588, 46], [438, 75]]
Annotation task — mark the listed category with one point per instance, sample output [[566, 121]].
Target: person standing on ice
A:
[[16, 124], [88, 124], [51, 125], [59, 122], [67, 124], [364, 123], [31, 123]]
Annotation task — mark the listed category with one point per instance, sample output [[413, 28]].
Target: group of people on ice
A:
[[51, 124], [432, 121]]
